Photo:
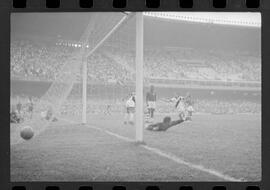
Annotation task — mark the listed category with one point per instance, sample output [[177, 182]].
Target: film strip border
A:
[[146, 5], [137, 187], [180, 5]]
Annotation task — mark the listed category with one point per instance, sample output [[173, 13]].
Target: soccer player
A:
[[130, 109], [19, 107], [151, 102], [180, 106], [165, 125], [189, 106], [108, 110], [30, 106], [14, 117], [49, 115]]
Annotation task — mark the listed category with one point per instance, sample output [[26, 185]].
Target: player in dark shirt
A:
[[165, 125]]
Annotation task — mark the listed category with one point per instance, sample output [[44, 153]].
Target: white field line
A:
[[170, 156]]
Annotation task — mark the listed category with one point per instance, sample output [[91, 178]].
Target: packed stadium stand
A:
[[35, 61], [41, 61], [175, 56]]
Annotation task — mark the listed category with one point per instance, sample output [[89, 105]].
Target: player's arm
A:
[[173, 123], [168, 99], [155, 126], [176, 122], [177, 102]]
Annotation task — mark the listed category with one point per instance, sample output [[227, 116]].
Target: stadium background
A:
[[38, 50], [221, 70]]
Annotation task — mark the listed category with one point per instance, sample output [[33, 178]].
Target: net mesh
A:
[[107, 43], [111, 79]]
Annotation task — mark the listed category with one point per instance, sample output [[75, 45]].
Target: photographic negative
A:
[[135, 96]]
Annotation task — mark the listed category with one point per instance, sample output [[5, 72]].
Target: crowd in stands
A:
[[103, 69], [37, 61], [33, 61], [202, 65]]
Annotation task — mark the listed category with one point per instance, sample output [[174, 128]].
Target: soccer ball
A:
[[27, 133]]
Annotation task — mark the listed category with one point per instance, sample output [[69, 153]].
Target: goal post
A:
[[96, 77], [66, 96], [84, 64], [139, 118], [139, 77]]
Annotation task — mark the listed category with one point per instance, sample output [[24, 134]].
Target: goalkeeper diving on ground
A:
[[165, 125], [161, 126]]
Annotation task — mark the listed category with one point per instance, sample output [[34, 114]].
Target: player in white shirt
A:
[[181, 107], [130, 109], [189, 106]]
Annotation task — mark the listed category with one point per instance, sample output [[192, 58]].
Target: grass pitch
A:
[[227, 144]]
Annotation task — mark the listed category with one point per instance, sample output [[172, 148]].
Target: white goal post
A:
[[139, 77], [139, 72]]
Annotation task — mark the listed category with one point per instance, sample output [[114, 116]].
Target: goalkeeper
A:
[[165, 125]]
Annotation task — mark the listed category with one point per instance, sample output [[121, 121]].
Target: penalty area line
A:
[[170, 156]]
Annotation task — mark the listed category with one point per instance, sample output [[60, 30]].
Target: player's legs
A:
[[152, 106], [188, 117], [152, 112], [151, 118], [149, 127], [189, 112], [153, 127], [148, 116], [109, 110], [149, 111], [181, 114], [126, 116], [131, 118], [31, 112]]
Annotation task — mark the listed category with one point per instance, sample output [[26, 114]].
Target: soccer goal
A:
[[98, 77]]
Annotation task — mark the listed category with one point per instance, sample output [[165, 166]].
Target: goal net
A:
[[96, 79]]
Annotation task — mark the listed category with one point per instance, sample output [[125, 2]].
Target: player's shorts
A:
[[190, 109], [130, 109], [151, 105]]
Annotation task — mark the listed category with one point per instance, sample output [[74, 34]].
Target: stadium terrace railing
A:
[[165, 82]]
